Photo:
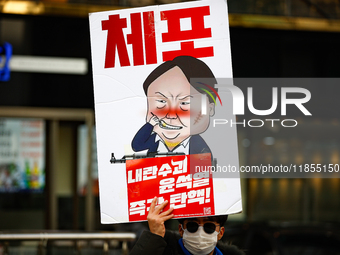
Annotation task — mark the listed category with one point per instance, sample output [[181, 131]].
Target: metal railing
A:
[[78, 240]]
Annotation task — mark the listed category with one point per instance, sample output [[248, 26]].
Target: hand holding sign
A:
[[157, 217]]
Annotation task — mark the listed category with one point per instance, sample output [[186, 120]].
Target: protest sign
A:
[[157, 99]]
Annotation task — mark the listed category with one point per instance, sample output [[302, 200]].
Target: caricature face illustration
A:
[[176, 107]]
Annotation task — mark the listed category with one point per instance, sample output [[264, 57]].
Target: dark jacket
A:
[[152, 244]]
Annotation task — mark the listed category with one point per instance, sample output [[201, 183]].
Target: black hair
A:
[[191, 68], [220, 219]]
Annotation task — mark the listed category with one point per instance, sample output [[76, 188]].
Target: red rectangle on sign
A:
[[173, 179]]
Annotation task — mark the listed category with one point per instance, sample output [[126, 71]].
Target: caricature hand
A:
[[154, 120], [156, 217]]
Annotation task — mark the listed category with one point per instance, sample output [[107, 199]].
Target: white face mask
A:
[[199, 243]]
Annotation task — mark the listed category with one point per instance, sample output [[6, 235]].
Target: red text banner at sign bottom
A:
[[170, 178]]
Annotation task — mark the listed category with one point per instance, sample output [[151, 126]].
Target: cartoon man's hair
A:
[[192, 68]]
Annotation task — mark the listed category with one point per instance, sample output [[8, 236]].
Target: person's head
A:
[[179, 105], [201, 234]]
